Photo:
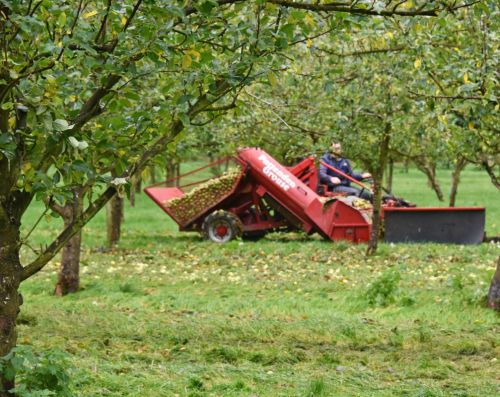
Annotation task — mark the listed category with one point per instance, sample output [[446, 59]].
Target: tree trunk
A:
[[135, 188], [455, 179], [490, 169], [10, 276], [430, 171], [178, 173], [114, 220], [68, 280], [407, 165], [152, 171], [215, 169], [131, 198], [378, 177], [171, 172], [494, 292], [390, 175], [138, 184]]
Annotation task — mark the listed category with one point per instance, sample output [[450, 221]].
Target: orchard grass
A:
[[168, 314]]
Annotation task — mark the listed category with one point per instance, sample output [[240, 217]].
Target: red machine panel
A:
[[336, 221], [280, 183]]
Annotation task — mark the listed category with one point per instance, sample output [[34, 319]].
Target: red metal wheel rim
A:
[[221, 230]]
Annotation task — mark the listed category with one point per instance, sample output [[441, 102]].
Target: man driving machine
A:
[[337, 182]]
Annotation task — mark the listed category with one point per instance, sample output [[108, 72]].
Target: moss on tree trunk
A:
[[10, 276]]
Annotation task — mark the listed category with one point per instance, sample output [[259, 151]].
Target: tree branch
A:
[[307, 130], [450, 97], [134, 11], [156, 148], [351, 8], [192, 10], [491, 172], [362, 52], [91, 107], [312, 37], [436, 81], [67, 233], [270, 108], [102, 29], [25, 238]]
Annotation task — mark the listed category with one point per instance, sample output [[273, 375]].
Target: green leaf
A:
[[132, 95], [186, 61], [329, 87], [5, 139], [272, 79], [80, 166], [288, 30], [176, 11], [61, 125], [81, 145], [184, 118], [281, 43], [206, 7], [184, 99], [61, 21], [9, 372]]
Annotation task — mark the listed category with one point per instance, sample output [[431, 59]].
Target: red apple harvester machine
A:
[[262, 195]]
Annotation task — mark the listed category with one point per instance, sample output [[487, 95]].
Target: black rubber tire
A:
[[224, 220]]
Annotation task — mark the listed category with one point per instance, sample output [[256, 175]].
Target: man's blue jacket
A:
[[342, 165]]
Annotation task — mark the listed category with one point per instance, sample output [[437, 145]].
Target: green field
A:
[[168, 314]]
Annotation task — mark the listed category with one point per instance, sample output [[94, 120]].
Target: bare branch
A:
[[436, 81], [307, 130], [221, 108], [193, 10], [134, 11], [25, 238], [450, 97], [102, 29], [491, 172], [352, 9], [312, 37], [206, 122], [91, 107], [362, 52], [270, 108]]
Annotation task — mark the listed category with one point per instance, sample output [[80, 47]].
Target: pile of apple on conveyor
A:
[[362, 204], [202, 197], [358, 203]]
